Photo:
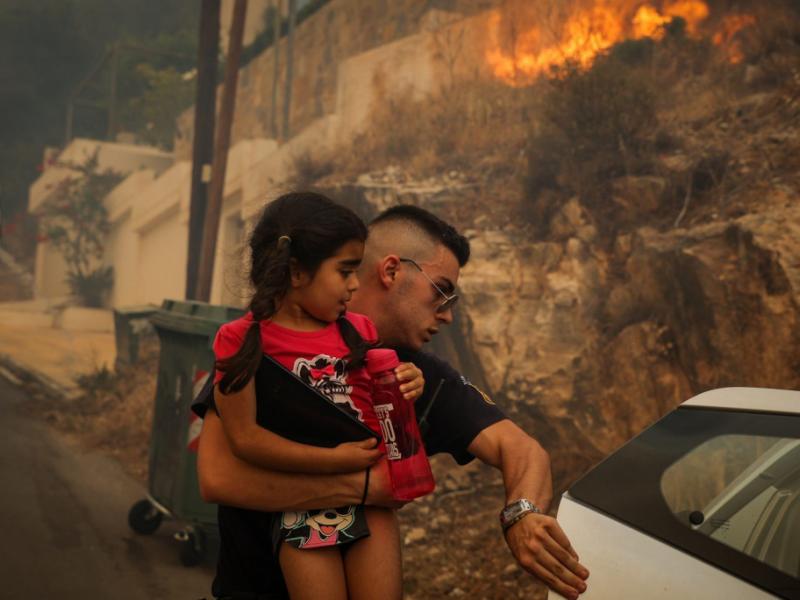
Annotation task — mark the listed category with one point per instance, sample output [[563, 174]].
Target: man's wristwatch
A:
[[515, 511]]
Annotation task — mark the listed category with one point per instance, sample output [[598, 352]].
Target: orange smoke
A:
[[588, 30]]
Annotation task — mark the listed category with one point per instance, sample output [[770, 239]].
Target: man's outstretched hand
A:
[[542, 549]]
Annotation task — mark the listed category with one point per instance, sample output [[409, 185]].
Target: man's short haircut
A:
[[439, 230]]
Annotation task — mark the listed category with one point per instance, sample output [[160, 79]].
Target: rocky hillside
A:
[[589, 314], [592, 310]]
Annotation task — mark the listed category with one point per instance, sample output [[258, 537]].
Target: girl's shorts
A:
[[319, 528]]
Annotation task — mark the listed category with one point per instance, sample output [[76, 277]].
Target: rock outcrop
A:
[[586, 344]]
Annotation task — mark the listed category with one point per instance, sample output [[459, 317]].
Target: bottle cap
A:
[[381, 359]]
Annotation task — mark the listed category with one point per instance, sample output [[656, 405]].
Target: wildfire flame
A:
[[731, 25], [649, 22], [591, 29]]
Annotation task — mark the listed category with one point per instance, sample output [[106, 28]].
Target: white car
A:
[[705, 504]]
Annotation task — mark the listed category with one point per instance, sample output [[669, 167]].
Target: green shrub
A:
[[91, 287], [594, 125], [101, 380], [75, 221], [591, 127]]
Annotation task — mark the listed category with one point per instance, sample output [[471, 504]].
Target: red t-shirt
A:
[[316, 357]]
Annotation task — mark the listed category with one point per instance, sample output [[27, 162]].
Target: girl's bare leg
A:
[[316, 574], [373, 565]]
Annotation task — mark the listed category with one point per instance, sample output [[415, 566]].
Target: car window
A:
[[718, 484], [743, 491]]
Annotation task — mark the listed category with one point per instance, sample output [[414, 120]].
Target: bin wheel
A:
[[193, 546], [144, 518]]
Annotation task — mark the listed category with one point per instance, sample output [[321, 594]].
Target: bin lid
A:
[[139, 309], [193, 317]]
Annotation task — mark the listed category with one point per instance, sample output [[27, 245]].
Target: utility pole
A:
[[205, 107], [221, 144], [276, 38], [287, 100]]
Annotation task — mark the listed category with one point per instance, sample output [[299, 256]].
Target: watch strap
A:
[[515, 511]]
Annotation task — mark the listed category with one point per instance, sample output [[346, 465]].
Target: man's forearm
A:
[[526, 473], [524, 463], [225, 479], [536, 540]]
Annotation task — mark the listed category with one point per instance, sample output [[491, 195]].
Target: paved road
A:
[[63, 523]]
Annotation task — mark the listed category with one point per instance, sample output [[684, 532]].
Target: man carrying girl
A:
[[407, 280]]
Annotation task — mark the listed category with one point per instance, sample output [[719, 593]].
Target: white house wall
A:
[[150, 209], [128, 193], [50, 273], [227, 279], [167, 193], [160, 219], [121, 158], [161, 268], [122, 254], [140, 163]]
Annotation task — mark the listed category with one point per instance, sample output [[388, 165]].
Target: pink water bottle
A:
[[409, 469]]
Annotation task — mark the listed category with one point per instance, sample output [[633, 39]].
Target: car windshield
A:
[[743, 491], [718, 484]]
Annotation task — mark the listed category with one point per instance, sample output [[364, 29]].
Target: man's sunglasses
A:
[[449, 301]]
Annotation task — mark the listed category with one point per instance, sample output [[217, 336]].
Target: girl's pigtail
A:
[[239, 368], [274, 265], [357, 345]]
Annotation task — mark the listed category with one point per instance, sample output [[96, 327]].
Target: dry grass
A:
[[308, 168], [577, 132], [469, 126], [114, 414]]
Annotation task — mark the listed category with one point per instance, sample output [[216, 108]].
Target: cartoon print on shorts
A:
[[328, 375], [318, 528]]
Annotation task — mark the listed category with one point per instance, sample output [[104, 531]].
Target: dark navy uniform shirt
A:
[[451, 413]]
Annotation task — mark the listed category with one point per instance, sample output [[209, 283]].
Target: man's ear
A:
[[387, 269]]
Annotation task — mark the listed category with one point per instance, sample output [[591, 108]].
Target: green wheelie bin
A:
[[131, 324], [186, 331]]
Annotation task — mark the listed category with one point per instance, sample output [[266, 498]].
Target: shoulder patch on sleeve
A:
[[483, 394]]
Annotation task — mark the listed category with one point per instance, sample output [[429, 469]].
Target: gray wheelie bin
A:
[[186, 331]]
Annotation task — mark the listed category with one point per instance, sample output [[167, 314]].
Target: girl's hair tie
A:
[[284, 240]]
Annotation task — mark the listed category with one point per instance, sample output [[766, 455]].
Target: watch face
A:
[[512, 510]]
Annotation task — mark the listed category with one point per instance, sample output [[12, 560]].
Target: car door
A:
[[703, 504]]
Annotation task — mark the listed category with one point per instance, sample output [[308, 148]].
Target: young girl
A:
[[304, 254]]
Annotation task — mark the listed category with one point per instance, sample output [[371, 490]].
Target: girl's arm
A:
[[261, 447]]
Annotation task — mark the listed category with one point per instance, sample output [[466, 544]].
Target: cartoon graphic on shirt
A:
[[328, 375], [318, 528]]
